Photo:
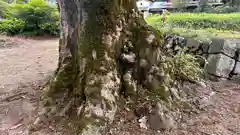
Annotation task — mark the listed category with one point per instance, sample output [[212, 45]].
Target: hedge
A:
[[34, 18], [199, 20]]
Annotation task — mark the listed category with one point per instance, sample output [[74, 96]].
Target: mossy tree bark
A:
[[105, 49]]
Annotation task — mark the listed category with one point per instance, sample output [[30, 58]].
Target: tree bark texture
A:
[[105, 49]]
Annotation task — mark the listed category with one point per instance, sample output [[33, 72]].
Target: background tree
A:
[[6, 3]]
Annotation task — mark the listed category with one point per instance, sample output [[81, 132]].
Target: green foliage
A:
[[3, 6], [38, 16], [232, 2], [11, 26], [50, 28], [219, 9], [225, 9], [184, 67], [19, 1], [200, 20]]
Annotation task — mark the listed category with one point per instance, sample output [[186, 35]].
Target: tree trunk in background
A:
[[105, 49]]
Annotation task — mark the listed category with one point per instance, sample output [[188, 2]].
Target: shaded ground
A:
[[26, 64]]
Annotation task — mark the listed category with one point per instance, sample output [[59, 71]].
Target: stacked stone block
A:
[[223, 55]]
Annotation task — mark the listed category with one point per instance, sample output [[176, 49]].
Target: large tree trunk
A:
[[105, 49]]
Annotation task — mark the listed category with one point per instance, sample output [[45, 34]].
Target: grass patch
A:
[[203, 32], [204, 35], [199, 20]]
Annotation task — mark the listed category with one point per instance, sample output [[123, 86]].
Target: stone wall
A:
[[223, 57], [223, 60]]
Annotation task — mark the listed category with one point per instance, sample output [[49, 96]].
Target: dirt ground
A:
[[26, 64], [217, 112]]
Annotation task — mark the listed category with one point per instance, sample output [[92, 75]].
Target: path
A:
[[24, 66]]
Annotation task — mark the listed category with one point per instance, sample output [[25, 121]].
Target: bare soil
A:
[[215, 110], [26, 64]]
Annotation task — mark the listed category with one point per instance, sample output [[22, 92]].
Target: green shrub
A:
[[200, 20], [50, 28], [11, 26], [226, 8], [38, 16], [184, 67]]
